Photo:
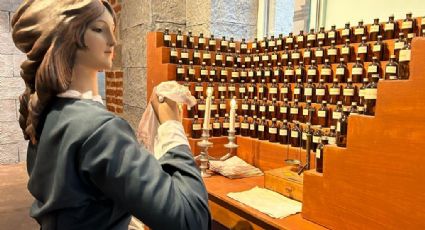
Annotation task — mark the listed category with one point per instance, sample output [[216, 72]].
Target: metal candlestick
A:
[[203, 157], [232, 146]]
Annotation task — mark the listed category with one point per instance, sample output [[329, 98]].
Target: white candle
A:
[[232, 115], [207, 109]]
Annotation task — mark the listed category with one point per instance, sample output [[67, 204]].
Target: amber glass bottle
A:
[[190, 40], [371, 95], [341, 71], [357, 72], [311, 38], [319, 53], [226, 124], [362, 92], [326, 72], [390, 27], [307, 131], [363, 51], [289, 41], [379, 49], [346, 33], [296, 56], [285, 90], [298, 91], [283, 133], [224, 44], [332, 136], [337, 113], [320, 150], [272, 109], [212, 43], [374, 68], [349, 93], [179, 40], [253, 127], [391, 69], [323, 115], [174, 54], [332, 35], [301, 39], [231, 88], [180, 72], [284, 110], [253, 107], [321, 92], [262, 129], [334, 92], [232, 45], [408, 26], [245, 126], [359, 32], [273, 131], [399, 44], [204, 73], [295, 137], [375, 30], [312, 72], [317, 135], [262, 89], [332, 53], [294, 111], [217, 126], [308, 55], [347, 51], [262, 109], [300, 72], [196, 127], [222, 106], [199, 88], [341, 130], [201, 41], [308, 113], [404, 60], [222, 89], [309, 91], [321, 36]]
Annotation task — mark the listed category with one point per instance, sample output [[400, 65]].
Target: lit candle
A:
[[207, 109], [232, 115]]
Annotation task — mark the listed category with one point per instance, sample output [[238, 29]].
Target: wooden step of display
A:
[[285, 181]]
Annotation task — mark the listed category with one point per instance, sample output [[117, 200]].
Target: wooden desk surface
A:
[[218, 187]]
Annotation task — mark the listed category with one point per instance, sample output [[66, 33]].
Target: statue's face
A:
[[100, 40]]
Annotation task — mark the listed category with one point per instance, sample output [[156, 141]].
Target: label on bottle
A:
[[336, 115], [320, 36], [271, 108], [331, 141], [253, 107], [263, 44], [273, 90], [204, 72], [223, 72], [244, 46], [196, 54], [294, 110], [410, 35], [300, 38], [273, 130], [289, 40], [235, 74], [207, 56], [404, 56], [332, 52], [285, 56], [305, 112], [232, 45], [191, 39], [283, 132], [167, 37], [226, 125], [245, 126], [338, 126], [371, 94], [261, 128], [308, 91], [258, 73], [199, 88], [179, 37], [340, 71], [254, 45], [222, 106], [376, 48], [284, 90], [242, 90], [232, 88], [345, 32], [251, 127], [244, 74], [359, 31], [298, 72], [173, 53], [274, 57], [311, 72], [307, 54], [407, 25], [360, 108], [250, 89], [389, 26], [393, 77], [267, 73], [398, 45], [318, 153], [321, 113], [283, 109], [229, 58], [222, 88], [261, 89], [218, 57], [196, 127], [331, 34], [297, 91], [295, 55], [361, 92], [320, 92], [294, 134], [362, 50], [311, 37], [325, 72], [248, 59], [224, 43], [319, 53], [374, 28], [276, 72], [245, 106], [304, 136], [348, 92], [216, 125], [180, 70], [335, 91], [251, 74], [212, 42], [272, 43], [279, 42], [345, 50], [262, 108], [289, 72], [316, 139], [391, 69], [201, 107], [357, 71], [372, 69], [212, 72], [256, 58]]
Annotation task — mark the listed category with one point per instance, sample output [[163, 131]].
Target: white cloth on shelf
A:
[[235, 167]]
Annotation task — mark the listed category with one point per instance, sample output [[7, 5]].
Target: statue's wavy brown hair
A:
[[49, 32]]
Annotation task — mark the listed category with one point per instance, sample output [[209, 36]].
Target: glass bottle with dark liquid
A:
[[223, 72], [321, 92], [254, 45], [320, 150], [201, 107], [311, 38], [353, 108], [199, 89], [264, 45], [363, 51], [285, 90], [321, 36], [245, 106], [212, 43], [262, 89], [265, 58], [283, 133], [251, 74], [262, 129], [284, 56], [232, 45], [252, 89], [391, 69], [217, 126], [422, 30], [317, 135], [253, 107], [300, 40], [167, 38], [206, 57], [275, 57], [337, 113], [298, 91], [374, 68], [312, 72], [319, 53], [218, 58], [214, 106], [295, 138], [231, 88], [284, 110], [294, 111], [300, 72], [179, 40], [341, 71], [174, 54], [371, 95], [289, 41], [390, 27], [308, 113], [180, 72], [204, 73], [341, 130], [306, 131], [399, 44], [196, 56], [323, 115], [201, 41], [196, 127], [289, 73], [213, 73], [222, 89], [268, 73], [346, 33], [243, 46], [357, 72], [308, 55], [222, 106], [349, 93], [278, 73], [230, 60], [235, 74], [262, 109], [359, 32], [379, 49], [408, 26], [404, 60], [309, 91], [259, 73], [334, 92], [375, 30], [273, 90], [224, 44], [253, 127], [326, 72], [256, 59], [237, 125], [242, 90], [347, 51], [332, 53], [295, 56], [362, 92], [332, 35], [190, 40], [272, 109], [272, 131], [245, 126], [279, 42], [226, 124], [332, 135]]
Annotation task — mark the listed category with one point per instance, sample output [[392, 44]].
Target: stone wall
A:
[[12, 144]]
